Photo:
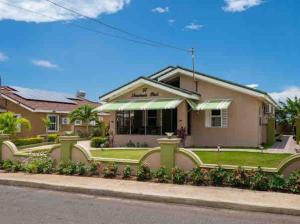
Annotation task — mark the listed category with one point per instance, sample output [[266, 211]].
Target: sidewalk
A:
[[217, 197]]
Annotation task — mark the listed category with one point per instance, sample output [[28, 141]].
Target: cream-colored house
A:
[[212, 111]]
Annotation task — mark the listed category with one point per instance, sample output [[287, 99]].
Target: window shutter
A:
[[208, 118], [224, 118]]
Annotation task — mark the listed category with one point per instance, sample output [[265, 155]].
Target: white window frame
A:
[[19, 127], [93, 123], [211, 119], [65, 121], [78, 122], [57, 123]]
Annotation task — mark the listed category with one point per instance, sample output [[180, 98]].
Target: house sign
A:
[[145, 93]]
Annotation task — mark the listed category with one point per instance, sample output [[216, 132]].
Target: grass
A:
[[120, 153], [242, 158]]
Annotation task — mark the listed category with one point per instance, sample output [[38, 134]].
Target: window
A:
[[216, 118], [93, 123], [65, 121], [78, 122], [54, 123], [19, 127], [123, 122]]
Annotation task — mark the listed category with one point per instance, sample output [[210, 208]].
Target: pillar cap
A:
[[169, 140], [68, 138]]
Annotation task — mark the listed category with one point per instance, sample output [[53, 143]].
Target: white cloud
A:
[[171, 21], [92, 8], [254, 85], [290, 92], [3, 57], [240, 5], [161, 10], [193, 26], [44, 63]]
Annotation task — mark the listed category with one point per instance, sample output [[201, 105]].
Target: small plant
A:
[[93, 169], [143, 173], [178, 176], [12, 166], [130, 144], [67, 168], [218, 176], [7, 164], [81, 169], [27, 141], [127, 172], [161, 175], [110, 171], [199, 176], [99, 142], [259, 181], [293, 182], [41, 164], [277, 183], [52, 137], [239, 178], [182, 133]]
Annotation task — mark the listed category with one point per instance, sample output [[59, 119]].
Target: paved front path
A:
[[33, 206], [210, 196], [287, 145]]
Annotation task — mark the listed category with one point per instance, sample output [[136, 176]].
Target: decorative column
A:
[[271, 131], [168, 147], [67, 142], [297, 123], [3, 137]]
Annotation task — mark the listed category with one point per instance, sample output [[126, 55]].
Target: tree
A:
[[46, 123], [288, 111], [10, 124], [85, 113]]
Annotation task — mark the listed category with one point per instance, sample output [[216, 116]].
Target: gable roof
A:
[[166, 74], [142, 81], [43, 101]]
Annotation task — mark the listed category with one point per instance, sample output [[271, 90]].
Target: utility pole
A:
[[193, 65]]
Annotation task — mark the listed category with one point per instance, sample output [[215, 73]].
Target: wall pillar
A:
[[67, 143], [297, 123], [3, 137], [271, 131], [168, 147]]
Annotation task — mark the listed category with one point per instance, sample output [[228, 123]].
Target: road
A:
[[35, 206]]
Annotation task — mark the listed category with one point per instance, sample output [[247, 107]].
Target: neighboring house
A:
[[213, 111], [35, 105]]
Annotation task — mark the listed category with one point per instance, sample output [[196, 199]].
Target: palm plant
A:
[[288, 111], [85, 113], [10, 124]]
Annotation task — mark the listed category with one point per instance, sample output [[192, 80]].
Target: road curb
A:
[[152, 198]]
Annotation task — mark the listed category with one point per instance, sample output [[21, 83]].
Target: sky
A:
[[252, 42]]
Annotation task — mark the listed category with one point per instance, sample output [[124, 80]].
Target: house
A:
[[213, 111], [34, 105]]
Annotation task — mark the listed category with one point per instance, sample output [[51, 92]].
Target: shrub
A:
[[93, 170], [199, 176], [27, 141], [82, 169], [42, 164], [97, 132], [161, 175], [52, 137], [218, 176], [98, 142], [277, 183], [259, 181], [67, 168], [12, 166], [293, 182], [239, 178], [143, 173], [110, 171], [178, 176], [127, 172], [130, 144]]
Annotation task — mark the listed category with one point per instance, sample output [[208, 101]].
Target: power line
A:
[[117, 28], [83, 27]]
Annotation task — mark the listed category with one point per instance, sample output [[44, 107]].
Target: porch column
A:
[[168, 147], [67, 142], [182, 115]]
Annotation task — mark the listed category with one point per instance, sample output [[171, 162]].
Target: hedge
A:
[[52, 137], [98, 142], [28, 141]]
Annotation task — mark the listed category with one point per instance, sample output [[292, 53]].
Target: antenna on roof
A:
[[193, 65]]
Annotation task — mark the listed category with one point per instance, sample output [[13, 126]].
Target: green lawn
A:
[[222, 158], [242, 158], [120, 153]]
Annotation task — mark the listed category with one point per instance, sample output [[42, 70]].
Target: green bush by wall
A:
[[98, 142], [27, 141]]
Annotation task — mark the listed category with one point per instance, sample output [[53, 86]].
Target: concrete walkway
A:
[[287, 145], [218, 197]]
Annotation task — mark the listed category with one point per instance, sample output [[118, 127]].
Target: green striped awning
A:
[[154, 104], [211, 105]]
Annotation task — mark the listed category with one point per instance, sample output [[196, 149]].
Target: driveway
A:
[[287, 145]]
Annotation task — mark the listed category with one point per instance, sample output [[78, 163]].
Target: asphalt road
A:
[[34, 206]]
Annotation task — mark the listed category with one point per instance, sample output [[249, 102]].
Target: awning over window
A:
[[210, 105], [154, 104]]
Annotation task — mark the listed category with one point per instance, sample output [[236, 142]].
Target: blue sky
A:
[[246, 41]]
